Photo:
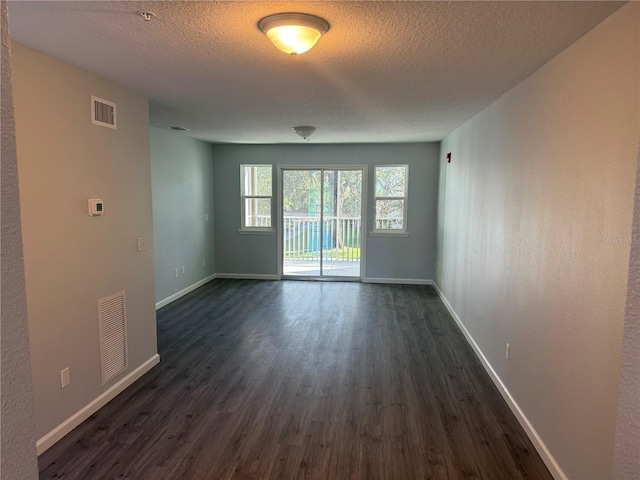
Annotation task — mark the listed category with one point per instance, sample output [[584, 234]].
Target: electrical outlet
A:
[[203, 262], [65, 377], [183, 269], [507, 351], [175, 272], [206, 217], [142, 244]]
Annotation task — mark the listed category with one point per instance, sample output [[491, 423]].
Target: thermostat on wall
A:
[[96, 207]]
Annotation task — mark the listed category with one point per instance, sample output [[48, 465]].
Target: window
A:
[[391, 198], [256, 192]]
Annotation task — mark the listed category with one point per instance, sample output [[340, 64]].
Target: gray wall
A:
[[72, 259], [534, 233], [182, 185], [18, 444], [394, 258]]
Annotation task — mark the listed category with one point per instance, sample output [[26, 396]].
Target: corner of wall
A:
[[626, 455], [182, 174], [17, 452]]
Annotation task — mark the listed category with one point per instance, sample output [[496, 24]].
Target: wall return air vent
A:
[[113, 336], [103, 113]]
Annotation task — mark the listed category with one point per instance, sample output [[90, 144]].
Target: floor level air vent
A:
[[113, 335], [103, 113]]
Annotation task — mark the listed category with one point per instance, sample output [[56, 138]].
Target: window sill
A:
[[265, 231], [389, 233]]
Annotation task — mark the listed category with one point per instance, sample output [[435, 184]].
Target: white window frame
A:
[[391, 231], [243, 197]]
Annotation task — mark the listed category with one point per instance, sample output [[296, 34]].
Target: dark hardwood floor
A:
[[304, 380]]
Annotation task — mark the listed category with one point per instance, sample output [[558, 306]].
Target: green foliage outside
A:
[[342, 193], [344, 253]]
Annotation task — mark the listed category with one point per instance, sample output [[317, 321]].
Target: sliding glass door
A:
[[322, 222]]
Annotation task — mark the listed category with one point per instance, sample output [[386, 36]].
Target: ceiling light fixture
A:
[[293, 33], [305, 131]]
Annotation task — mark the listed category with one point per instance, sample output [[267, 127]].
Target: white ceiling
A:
[[387, 71]]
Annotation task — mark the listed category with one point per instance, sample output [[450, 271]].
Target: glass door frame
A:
[[363, 219]]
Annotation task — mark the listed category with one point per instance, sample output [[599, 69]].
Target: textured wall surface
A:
[[534, 234], [627, 441], [182, 184], [17, 433], [411, 257], [72, 259]]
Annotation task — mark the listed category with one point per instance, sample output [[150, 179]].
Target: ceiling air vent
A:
[[103, 113], [113, 336]]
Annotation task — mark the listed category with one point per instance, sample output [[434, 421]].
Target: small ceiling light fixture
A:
[[305, 131], [293, 33]]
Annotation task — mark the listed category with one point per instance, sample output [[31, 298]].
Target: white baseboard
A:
[[46, 442], [248, 276], [184, 291], [403, 281], [539, 445]]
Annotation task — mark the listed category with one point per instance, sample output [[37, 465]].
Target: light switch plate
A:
[[65, 377]]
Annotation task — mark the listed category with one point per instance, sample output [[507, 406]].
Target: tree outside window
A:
[[257, 188], [391, 198]]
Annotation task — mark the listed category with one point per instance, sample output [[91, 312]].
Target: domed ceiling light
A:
[[293, 33], [305, 131]]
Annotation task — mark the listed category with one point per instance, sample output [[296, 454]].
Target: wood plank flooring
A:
[[304, 380]]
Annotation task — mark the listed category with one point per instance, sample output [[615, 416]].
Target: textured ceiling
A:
[[386, 71]]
